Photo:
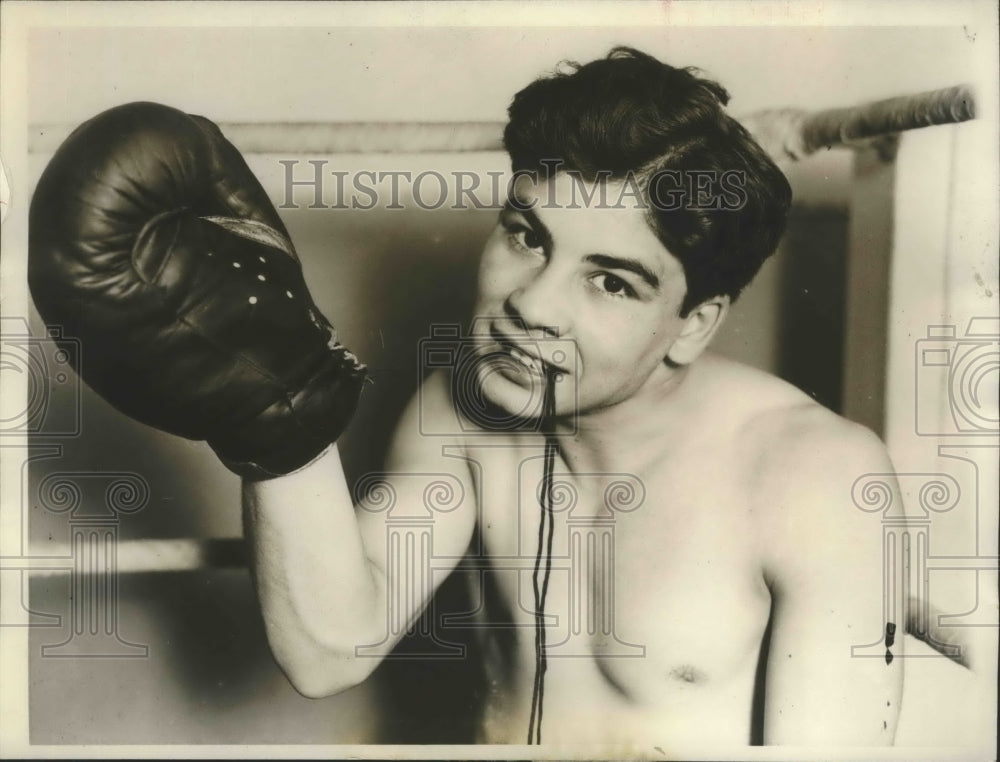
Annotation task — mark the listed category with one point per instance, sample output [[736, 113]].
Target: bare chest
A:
[[652, 590]]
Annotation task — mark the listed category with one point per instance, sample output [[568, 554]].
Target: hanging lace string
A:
[[540, 577]]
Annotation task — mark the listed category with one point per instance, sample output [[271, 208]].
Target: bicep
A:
[[827, 680], [820, 689], [418, 513]]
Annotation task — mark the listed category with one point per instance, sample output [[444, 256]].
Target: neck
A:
[[621, 436]]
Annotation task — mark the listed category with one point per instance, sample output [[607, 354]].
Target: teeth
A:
[[528, 362]]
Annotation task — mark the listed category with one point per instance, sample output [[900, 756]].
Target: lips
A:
[[533, 364], [526, 357]]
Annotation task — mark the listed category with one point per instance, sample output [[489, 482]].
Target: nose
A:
[[539, 303]]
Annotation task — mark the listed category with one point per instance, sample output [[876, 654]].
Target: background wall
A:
[[463, 73], [384, 277]]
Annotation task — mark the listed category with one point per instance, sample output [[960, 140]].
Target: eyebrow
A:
[[625, 263], [612, 262]]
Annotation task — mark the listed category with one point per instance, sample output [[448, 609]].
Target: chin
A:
[[508, 395]]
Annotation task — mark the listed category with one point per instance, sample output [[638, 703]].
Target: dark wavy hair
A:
[[630, 114]]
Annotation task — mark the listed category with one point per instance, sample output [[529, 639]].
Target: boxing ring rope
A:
[[844, 125], [144, 557], [784, 133]]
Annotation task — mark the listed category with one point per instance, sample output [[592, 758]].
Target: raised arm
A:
[[152, 242], [825, 571], [329, 585]]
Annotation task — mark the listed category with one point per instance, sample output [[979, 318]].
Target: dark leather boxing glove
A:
[[152, 241]]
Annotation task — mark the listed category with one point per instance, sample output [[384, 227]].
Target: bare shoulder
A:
[[783, 434], [428, 424], [803, 447], [800, 463], [435, 396]]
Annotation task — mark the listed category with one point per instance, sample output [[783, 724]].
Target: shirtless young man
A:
[[640, 213], [747, 514]]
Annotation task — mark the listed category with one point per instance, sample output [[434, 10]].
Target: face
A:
[[585, 290]]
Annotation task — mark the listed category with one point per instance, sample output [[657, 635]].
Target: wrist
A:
[[254, 472]]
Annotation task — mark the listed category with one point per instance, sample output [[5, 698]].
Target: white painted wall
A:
[[462, 73]]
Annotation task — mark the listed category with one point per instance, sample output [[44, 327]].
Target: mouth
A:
[[531, 361], [533, 364]]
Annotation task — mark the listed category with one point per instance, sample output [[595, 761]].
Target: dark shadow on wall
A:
[[434, 700], [208, 676], [811, 308], [385, 278]]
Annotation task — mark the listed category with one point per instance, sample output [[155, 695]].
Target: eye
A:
[[523, 238], [612, 285], [519, 235], [531, 239]]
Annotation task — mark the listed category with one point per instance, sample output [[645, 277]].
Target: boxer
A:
[[148, 239]]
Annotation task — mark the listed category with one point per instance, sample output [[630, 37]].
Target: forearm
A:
[[320, 595]]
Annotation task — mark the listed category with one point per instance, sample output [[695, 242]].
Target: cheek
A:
[[630, 343], [660, 338], [499, 273]]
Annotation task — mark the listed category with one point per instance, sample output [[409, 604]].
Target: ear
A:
[[699, 327]]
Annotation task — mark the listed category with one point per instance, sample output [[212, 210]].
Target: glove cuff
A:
[[255, 472]]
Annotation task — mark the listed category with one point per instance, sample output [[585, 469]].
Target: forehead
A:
[[605, 216]]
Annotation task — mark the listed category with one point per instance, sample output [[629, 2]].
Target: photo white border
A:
[[19, 17]]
